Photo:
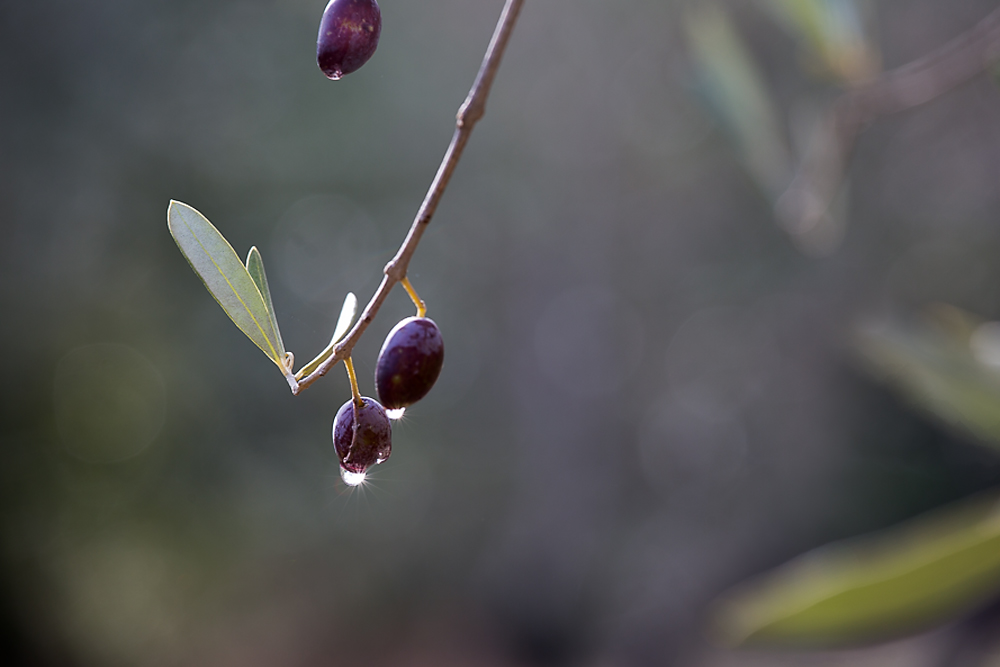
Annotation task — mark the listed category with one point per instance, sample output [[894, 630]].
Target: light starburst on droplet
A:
[[352, 478]]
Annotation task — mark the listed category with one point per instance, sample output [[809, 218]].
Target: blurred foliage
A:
[[941, 567], [737, 93], [777, 144], [902, 581], [935, 569], [947, 364], [836, 34]]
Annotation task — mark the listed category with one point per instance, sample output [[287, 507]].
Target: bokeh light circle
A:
[[109, 402]]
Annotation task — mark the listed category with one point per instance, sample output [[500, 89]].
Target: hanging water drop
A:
[[395, 414], [352, 478]]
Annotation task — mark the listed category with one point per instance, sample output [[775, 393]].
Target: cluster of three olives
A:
[[408, 365], [411, 357]]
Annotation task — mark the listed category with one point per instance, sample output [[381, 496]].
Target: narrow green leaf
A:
[[904, 580], [255, 267], [225, 276], [347, 312]]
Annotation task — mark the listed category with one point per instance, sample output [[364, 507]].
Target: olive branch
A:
[[242, 289]]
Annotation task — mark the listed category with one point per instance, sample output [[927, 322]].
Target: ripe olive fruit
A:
[[362, 436], [409, 362], [348, 35]]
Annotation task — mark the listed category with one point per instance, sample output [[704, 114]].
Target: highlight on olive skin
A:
[[362, 436], [409, 363], [348, 36]]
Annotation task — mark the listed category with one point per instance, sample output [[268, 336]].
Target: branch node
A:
[[395, 270], [470, 112]]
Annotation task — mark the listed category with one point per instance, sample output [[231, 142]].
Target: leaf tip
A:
[[250, 254], [173, 209]]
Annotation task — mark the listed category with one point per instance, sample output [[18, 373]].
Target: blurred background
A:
[[651, 389]]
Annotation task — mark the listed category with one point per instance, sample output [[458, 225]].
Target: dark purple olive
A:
[[348, 35], [409, 362], [362, 437]]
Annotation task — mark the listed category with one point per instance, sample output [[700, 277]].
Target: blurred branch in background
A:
[[804, 207], [805, 185], [939, 569]]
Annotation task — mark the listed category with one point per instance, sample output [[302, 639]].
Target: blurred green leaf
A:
[[255, 267], [936, 368], [808, 18], [225, 276], [833, 30], [901, 581], [347, 312], [736, 90]]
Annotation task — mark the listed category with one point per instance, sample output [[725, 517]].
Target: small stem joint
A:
[[395, 270], [414, 297], [354, 382], [470, 112]]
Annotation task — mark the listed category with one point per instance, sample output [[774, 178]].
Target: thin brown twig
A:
[[930, 76], [821, 172], [468, 115]]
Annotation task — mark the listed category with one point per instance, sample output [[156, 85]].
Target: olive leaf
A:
[[347, 312], [255, 267], [226, 277], [903, 580]]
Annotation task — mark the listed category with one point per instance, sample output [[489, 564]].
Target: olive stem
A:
[[354, 382], [417, 301], [468, 115]]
